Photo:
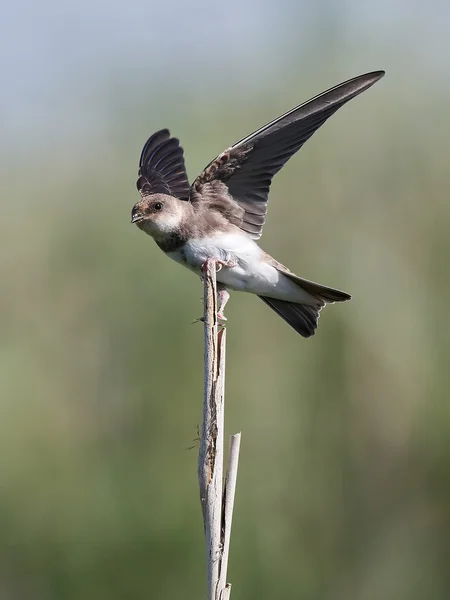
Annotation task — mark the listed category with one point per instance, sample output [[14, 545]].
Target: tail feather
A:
[[304, 317], [321, 292], [301, 317]]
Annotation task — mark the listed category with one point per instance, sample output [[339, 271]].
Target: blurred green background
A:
[[344, 488]]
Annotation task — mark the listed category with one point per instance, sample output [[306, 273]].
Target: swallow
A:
[[221, 215]]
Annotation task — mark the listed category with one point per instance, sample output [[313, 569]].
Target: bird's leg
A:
[[223, 296]]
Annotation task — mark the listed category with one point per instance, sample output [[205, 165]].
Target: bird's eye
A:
[[158, 205]]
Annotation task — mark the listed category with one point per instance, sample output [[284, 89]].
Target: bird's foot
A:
[[219, 263]]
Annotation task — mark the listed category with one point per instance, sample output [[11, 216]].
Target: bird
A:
[[220, 216]]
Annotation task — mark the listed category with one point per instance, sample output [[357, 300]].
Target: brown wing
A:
[[247, 168], [161, 167]]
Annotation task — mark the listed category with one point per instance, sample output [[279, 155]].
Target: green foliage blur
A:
[[343, 489]]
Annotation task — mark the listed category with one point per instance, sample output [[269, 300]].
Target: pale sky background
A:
[[55, 54]]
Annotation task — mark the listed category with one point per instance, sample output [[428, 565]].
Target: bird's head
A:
[[158, 215]]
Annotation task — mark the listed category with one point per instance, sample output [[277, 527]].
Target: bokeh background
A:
[[344, 482]]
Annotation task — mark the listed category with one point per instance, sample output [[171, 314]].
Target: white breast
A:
[[251, 274], [226, 246]]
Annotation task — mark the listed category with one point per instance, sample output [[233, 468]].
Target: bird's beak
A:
[[136, 217]]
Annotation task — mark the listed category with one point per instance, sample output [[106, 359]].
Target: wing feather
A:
[[161, 167], [247, 168]]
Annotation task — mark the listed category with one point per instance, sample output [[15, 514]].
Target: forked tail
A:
[[304, 317]]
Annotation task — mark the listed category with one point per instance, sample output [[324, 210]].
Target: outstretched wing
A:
[[161, 167], [247, 168]]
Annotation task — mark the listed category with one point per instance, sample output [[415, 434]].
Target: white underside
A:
[[251, 274]]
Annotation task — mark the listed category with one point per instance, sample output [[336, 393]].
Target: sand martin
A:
[[223, 212]]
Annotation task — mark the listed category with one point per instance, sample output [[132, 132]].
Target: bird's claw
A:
[[219, 264]]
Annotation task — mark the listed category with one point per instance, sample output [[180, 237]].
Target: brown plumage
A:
[[224, 210]]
